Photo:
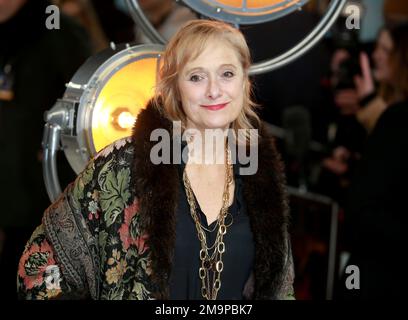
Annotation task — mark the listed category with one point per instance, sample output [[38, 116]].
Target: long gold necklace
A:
[[211, 262]]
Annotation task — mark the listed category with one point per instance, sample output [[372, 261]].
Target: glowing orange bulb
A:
[[126, 120]]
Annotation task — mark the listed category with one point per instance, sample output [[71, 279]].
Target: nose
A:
[[214, 89]]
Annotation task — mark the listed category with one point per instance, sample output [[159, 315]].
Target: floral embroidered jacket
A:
[[111, 233]]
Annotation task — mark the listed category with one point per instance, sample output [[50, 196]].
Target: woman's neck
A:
[[206, 147]]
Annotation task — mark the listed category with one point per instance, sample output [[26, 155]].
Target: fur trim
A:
[[157, 189], [268, 212]]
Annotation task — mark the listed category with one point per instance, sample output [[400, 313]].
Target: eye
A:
[[196, 78], [227, 74]]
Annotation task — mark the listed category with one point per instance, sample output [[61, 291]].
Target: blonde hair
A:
[[185, 46]]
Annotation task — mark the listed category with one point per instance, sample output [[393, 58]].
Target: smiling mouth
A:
[[215, 107]]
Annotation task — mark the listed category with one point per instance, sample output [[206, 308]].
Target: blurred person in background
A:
[[345, 62], [353, 123], [35, 65], [376, 211]]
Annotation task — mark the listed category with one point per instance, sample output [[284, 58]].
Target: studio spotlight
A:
[[99, 106]]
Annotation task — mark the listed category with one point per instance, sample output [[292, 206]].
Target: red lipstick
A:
[[215, 107]]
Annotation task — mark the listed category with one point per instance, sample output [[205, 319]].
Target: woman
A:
[[376, 217], [131, 229]]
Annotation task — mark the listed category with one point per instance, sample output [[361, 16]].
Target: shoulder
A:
[[114, 162], [119, 148], [107, 174], [392, 125], [115, 156], [396, 113], [387, 145]]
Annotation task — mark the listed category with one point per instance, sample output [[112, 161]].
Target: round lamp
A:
[[99, 106]]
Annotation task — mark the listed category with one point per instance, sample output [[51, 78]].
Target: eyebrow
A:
[[202, 69]]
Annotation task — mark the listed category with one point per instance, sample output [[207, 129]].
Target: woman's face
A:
[[212, 87], [381, 55]]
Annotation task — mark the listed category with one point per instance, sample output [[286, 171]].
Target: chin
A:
[[217, 125], [202, 123], [380, 76]]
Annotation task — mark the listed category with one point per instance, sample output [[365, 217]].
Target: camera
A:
[[346, 72], [347, 39]]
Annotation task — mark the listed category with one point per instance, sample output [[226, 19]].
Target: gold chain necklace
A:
[[214, 262]]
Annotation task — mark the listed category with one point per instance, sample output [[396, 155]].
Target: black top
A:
[[376, 218], [239, 248]]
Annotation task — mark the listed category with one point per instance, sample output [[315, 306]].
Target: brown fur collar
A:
[[157, 189]]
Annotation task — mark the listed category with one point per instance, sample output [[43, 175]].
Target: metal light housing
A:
[[243, 12], [99, 106]]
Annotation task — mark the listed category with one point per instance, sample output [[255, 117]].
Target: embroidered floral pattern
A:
[[103, 196], [34, 262], [128, 231], [105, 152]]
